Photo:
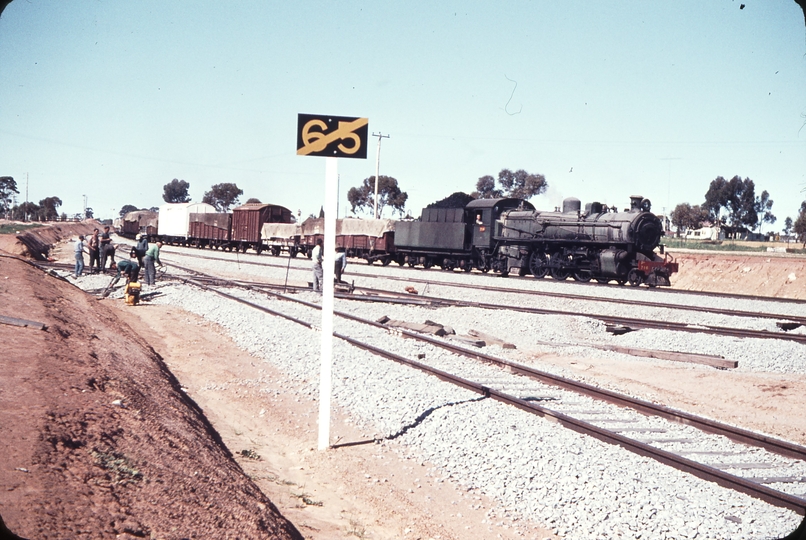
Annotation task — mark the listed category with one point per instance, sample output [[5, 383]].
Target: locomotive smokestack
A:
[[635, 203]]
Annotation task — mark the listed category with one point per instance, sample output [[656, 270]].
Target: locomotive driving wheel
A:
[[583, 275], [635, 278], [560, 274], [537, 264]]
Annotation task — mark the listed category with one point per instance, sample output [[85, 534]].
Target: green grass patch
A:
[[13, 228], [708, 246], [731, 245]]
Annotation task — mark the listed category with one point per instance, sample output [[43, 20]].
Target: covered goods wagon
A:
[[139, 222], [174, 220]]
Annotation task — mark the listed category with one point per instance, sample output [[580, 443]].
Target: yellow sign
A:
[[332, 136]]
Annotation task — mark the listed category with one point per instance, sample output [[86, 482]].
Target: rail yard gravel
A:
[[537, 470], [777, 356], [580, 487]]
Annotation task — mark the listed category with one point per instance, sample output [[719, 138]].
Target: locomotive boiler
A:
[[595, 243]]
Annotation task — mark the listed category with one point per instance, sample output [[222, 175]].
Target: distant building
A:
[[710, 233]]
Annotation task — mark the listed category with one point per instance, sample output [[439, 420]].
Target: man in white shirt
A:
[[318, 273]]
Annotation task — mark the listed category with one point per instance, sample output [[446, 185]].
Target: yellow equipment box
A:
[[132, 295]]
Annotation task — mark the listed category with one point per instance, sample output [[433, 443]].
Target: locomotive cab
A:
[[482, 217]]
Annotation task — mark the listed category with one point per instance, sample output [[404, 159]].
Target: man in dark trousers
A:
[[340, 264], [105, 243], [141, 247], [93, 246], [152, 256]]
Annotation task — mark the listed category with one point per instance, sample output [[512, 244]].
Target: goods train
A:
[[200, 225], [499, 235]]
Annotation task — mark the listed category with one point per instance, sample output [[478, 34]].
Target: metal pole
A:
[[328, 250], [377, 169]]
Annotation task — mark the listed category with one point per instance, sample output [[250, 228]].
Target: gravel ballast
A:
[[580, 487]]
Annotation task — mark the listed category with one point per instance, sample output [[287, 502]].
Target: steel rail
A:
[[612, 319], [701, 309], [616, 320], [700, 470], [580, 284], [575, 283]]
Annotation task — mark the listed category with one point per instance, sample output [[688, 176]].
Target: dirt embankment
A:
[[99, 439], [37, 242], [779, 276]]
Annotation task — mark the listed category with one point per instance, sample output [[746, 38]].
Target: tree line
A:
[[520, 184], [727, 202], [509, 183], [221, 196], [734, 203], [46, 210]]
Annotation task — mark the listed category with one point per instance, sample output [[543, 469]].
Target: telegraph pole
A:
[[378, 168]]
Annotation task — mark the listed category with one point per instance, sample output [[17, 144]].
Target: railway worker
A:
[[152, 256], [340, 264], [141, 248], [110, 254], [129, 267], [105, 242], [318, 273], [79, 247], [92, 246]]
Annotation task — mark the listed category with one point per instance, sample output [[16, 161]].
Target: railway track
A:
[[595, 286], [666, 435], [787, 321], [628, 323], [619, 321]]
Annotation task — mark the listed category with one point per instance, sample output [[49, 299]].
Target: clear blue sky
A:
[[114, 99]]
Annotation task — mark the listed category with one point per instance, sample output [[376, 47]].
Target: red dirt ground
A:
[[99, 440]]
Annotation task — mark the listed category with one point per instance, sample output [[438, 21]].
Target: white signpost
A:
[[331, 137]]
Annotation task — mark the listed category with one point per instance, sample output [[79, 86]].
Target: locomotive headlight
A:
[[647, 231]]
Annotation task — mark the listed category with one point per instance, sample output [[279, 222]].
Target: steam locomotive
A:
[[505, 235], [597, 243]]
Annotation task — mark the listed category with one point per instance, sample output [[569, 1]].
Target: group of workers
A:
[[339, 264], [100, 249], [145, 256]]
